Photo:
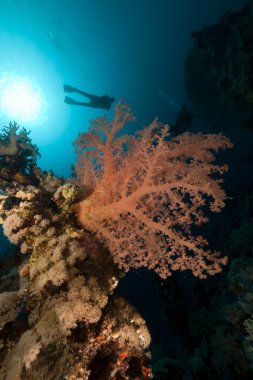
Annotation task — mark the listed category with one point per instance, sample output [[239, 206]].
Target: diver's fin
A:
[[68, 88], [69, 100]]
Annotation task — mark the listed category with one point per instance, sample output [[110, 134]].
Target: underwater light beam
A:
[[20, 99]]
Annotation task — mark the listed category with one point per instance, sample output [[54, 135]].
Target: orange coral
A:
[[145, 192]]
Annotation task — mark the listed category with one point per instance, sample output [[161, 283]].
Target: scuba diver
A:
[[183, 121], [103, 102]]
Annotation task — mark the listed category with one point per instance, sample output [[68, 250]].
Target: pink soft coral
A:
[[144, 193]]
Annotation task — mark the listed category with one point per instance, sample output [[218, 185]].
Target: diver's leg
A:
[[89, 96], [68, 88], [71, 101]]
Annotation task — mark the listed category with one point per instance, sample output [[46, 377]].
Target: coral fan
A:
[[143, 194]]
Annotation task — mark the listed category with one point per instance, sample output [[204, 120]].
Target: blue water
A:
[[133, 49]]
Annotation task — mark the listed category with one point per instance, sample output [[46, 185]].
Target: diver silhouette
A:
[[103, 102]]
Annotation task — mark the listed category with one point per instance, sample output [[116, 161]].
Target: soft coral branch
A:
[[148, 191]]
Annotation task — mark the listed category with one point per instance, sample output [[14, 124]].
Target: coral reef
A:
[[131, 204], [62, 320]]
